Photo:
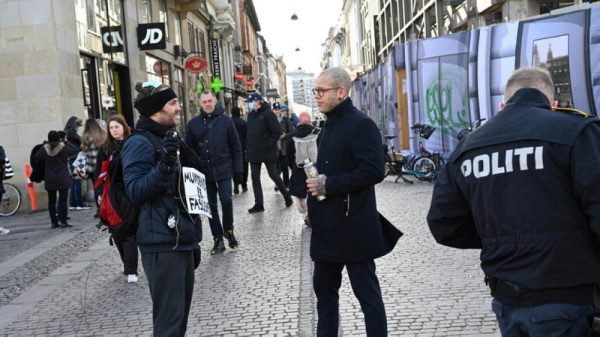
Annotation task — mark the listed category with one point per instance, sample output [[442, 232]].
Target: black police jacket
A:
[[525, 188]]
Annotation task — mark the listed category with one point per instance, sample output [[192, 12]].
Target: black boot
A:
[[233, 243], [236, 189]]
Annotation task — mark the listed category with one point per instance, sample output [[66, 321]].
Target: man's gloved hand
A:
[[169, 150], [238, 178]]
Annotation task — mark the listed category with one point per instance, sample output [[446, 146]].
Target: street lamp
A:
[[297, 48], [294, 17]]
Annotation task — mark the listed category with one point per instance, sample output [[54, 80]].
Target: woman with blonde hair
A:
[[93, 136], [118, 131]]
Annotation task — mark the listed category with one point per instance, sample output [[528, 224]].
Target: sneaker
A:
[[233, 243], [82, 208], [4, 231], [64, 224], [256, 208], [219, 246], [132, 278], [288, 201]]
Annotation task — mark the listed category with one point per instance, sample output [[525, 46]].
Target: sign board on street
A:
[[196, 64]]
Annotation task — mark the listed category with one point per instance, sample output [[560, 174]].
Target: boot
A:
[[219, 246], [233, 243], [236, 189]]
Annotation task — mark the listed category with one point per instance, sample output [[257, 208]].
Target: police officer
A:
[[525, 189]]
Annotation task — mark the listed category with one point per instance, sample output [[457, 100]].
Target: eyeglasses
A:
[[321, 92]]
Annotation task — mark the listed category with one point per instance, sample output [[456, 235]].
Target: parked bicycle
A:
[[425, 161], [11, 200], [396, 165]]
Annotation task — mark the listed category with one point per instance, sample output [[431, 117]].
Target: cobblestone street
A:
[[69, 282]]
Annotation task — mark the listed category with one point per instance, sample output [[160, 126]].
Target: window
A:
[[90, 9], [146, 12], [164, 17]]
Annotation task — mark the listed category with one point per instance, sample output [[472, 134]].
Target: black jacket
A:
[[346, 226], [219, 150], [241, 128], [263, 133], [524, 188], [56, 160]]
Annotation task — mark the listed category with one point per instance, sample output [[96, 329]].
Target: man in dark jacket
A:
[[240, 126], [347, 230], [213, 136], [167, 234], [286, 128], [523, 188], [264, 131]]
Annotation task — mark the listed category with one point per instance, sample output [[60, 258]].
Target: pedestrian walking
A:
[[286, 128], [304, 132], [347, 229], [523, 189], [118, 131], [213, 136], [57, 177], [264, 131], [167, 236], [71, 129], [241, 127]]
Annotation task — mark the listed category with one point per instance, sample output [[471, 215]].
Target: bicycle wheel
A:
[[11, 200], [425, 168]]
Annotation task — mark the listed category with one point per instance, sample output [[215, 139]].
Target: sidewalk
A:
[[76, 286]]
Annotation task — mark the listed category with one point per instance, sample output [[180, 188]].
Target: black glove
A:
[[169, 150], [238, 178], [62, 135]]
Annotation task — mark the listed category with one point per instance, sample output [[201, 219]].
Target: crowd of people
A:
[[524, 197]]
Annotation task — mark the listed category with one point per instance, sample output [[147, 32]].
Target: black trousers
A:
[[327, 280], [256, 185], [171, 282], [282, 167], [128, 250], [63, 195]]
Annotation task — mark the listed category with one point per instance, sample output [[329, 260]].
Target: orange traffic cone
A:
[[31, 189]]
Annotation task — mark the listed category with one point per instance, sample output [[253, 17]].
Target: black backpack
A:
[[116, 211], [38, 166]]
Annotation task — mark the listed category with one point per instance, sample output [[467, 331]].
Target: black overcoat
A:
[[346, 226]]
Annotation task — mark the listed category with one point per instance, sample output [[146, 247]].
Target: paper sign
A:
[[196, 198]]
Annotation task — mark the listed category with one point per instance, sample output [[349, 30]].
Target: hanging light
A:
[[294, 16], [299, 68], [297, 49]]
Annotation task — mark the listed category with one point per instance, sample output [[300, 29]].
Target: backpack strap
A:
[[153, 141]]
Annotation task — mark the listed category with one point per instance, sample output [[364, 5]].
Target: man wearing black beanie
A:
[[167, 236]]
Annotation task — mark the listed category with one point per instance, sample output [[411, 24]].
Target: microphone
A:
[[172, 133]]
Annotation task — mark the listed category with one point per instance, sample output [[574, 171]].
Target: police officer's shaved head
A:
[[529, 77]]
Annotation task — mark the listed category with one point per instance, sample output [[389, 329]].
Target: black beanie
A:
[[155, 102], [53, 136]]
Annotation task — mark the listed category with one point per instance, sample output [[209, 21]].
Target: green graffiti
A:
[[439, 107]]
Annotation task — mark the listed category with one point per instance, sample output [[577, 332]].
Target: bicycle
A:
[[464, 132], [11, 200], [396, 165], [425, 161]]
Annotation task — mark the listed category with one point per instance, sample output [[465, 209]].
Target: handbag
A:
[[79, 165], [7, 170]]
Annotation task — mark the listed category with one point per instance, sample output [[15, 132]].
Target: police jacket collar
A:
[[529, 97], [336, 112]]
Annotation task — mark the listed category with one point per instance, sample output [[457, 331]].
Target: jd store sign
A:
[[112, 40], [152, 36]]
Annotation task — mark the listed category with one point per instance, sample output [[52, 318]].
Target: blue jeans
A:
[[224, 189], [548, 320], [75, 198]]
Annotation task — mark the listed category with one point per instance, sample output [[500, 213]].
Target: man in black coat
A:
[[347, 230], [241, 127], [264, 131]]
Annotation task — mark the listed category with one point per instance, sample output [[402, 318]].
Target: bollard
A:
[[31, 189]]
